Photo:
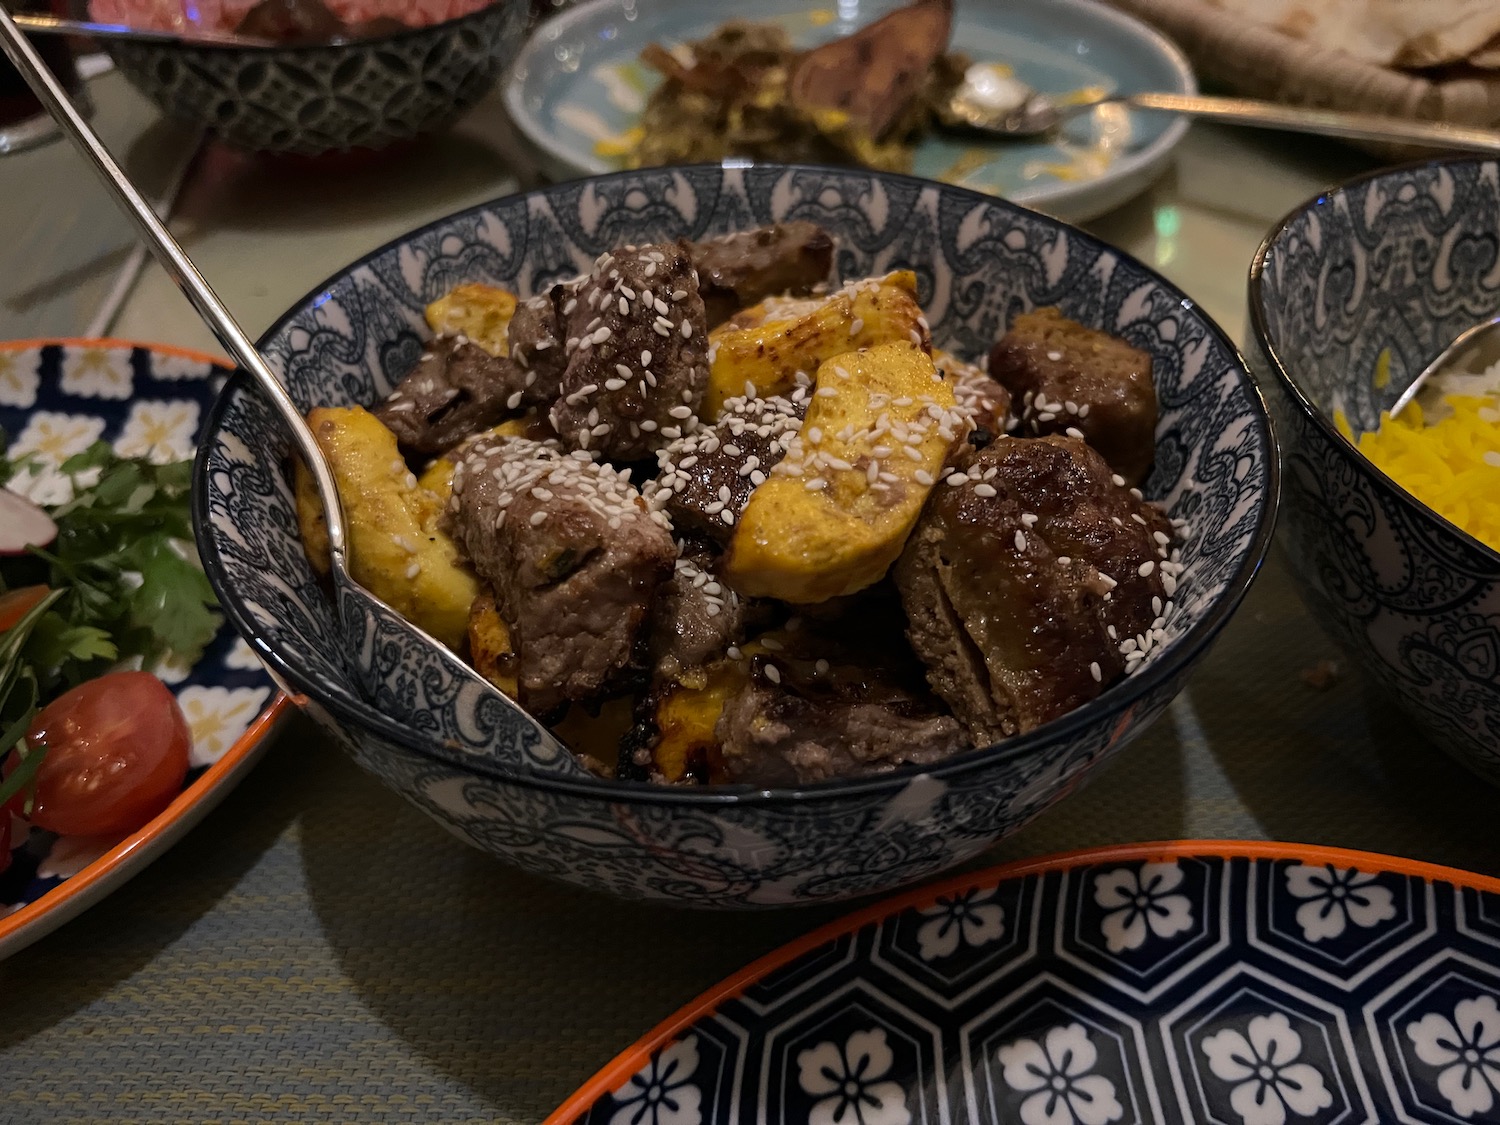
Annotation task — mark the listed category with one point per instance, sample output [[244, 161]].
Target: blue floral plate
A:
[[57, 397], [1193, 981], [579, 84]]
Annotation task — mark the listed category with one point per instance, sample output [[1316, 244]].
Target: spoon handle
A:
[[178, 265], [1324, 122], [53, 25]]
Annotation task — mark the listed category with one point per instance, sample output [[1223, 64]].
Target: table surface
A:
[[317, 950]]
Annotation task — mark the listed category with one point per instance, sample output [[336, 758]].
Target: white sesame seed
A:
[[773, 673], [687, 330], [1146, 568], [1095, 672], [1119, 480], [538, 518], [1020, 540], [413, 570], [513, 401], [988, 491], [817, 484]]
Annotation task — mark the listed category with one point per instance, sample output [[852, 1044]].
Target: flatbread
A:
[[1411, 34]]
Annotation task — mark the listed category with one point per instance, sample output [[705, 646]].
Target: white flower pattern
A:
[[971, 917], [51, 438], [1335, 897], [159, 431], [241, 657], [1467, 1051], [662, 1092], [20, 375], [218, 716], [1261, 1064], [179, 367], [1138, 902], [847, 1082], [1057, 1072], [97, 373]]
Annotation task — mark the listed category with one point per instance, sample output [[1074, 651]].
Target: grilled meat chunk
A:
[[874, 75], [575, 559], [636, 346], [741, 269], [696, 619], [1067, 376], [1032, 581], [536, 344], [456, 389], [838, 696], [707, 476]]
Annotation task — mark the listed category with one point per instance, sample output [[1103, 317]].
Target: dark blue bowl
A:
[[1391, 265], [316, 98], [980, 262]]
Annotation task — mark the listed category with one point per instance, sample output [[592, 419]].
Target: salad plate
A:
[[57, 397], [1243, 983], [577, 89]]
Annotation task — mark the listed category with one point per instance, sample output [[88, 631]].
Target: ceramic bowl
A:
[[1350, 296], [980, 262], [307, 100]]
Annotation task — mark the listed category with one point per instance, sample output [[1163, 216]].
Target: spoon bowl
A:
[[380, 642], [991, 102], [1482, 339]]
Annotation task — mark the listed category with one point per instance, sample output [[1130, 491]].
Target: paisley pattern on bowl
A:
[[979, 262], [1350, 297], [1247, 1011], [56, 399], [363, 94]]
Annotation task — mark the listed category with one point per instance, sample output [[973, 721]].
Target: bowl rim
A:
[[1255, 287], [1114, 703], [311, 48]]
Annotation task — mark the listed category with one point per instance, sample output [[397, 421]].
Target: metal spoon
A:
[[1479, 338], [460, 707], [53, 25], [993, 102]]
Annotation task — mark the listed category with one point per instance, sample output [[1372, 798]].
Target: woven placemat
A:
[[1258, 61]]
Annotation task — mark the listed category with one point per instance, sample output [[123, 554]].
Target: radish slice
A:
[[22, 524]]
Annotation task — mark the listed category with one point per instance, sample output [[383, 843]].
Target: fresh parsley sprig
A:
[[123, 563]]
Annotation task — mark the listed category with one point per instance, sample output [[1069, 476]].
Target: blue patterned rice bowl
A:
[[1350, 297]]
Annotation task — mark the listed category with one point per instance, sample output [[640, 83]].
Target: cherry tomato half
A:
[[117, 753], [17, 603]]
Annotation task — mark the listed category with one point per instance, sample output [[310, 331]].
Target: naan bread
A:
[[1400, 33]]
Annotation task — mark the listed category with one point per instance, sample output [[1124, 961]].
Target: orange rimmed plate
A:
[[56, 398], [1189, 981]]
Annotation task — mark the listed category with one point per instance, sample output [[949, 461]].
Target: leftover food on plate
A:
[[1444, 449], [736, 522], [745, 90]]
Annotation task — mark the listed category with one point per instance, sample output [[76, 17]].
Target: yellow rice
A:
[[1451, 464]]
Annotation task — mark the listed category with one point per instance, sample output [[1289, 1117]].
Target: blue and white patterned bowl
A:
[[1232, 983], [311, 99], [1391, 265], [980, 262]]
